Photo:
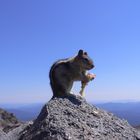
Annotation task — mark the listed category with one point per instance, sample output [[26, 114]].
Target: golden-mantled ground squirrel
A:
[[64, 72]]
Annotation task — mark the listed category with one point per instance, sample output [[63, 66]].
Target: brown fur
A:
[[64, 72]]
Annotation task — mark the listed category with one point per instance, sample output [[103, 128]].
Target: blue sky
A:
[[34, 34]]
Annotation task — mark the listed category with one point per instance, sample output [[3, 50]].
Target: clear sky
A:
[[34, 34]]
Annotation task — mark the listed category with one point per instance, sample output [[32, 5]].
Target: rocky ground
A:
[[72, 118], [7, 121], [67, 118], [10, 127], [138, 128]]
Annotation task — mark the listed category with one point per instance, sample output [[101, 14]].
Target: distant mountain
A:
[[128, 111], [25, 112]]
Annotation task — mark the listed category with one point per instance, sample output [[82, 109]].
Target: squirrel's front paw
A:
[[91, 76]]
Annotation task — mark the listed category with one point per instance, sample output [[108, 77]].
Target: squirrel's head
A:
[[84, 60]]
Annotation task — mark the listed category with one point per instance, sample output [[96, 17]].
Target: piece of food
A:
[[90, 77]]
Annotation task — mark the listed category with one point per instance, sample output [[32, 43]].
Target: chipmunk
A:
[[64, 72]]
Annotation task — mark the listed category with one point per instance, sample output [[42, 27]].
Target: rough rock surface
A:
[[10, 127], [138, 128], [7, 121], [15, 133], [72, 118]]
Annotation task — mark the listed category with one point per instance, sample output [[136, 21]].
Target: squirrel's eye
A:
[[85, 59]]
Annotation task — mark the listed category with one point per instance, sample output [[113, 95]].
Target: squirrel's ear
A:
[[80, 53]]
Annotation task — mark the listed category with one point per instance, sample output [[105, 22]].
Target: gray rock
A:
[[72, 118], [10, 127], [137, 127], [7, 121], [3, 135], [15, 133]]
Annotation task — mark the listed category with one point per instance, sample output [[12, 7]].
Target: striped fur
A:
[[65, 71]]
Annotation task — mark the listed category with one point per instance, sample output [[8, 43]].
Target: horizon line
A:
[[94, 101]]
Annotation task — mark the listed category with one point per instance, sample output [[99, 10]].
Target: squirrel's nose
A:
[[92, 66]]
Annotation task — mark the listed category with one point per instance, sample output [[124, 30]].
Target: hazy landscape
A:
[[65, 118], [129, 111]]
